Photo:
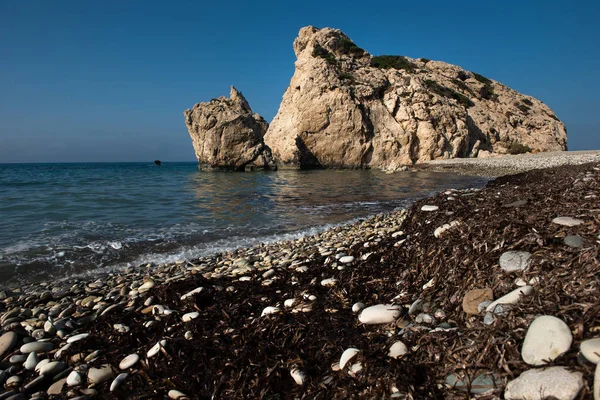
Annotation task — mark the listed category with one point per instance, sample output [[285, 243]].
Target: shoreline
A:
[[494, 167], [307, 287]]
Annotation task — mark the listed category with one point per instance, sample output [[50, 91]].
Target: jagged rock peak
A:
[[347, 108], [226, 134]]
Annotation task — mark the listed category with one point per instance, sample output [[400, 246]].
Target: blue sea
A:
[[63, 220]]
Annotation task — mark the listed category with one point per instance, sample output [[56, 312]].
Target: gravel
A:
[[511, 164]]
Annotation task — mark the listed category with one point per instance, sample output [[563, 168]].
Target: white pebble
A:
[[546, 383], [429, 208], [156, 348], [129, 361], [190, 316], [298, 376], [397, 350], [379, 314], [591, 350], [329, 282], [346, 259], [348, 355], [511, 298], [192, 293], [356, 307], [289, 303], [547, 338], [269, 310], [118, 380]]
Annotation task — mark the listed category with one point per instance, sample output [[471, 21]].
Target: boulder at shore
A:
[[346, 108], [226, 134]]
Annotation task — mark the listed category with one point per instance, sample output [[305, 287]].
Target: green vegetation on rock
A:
[[395, 62], [345, 76], [449, 93], [320, 51], [347, 46], [488, 91]]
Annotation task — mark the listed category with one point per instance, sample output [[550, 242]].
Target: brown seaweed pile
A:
[[230, 351]]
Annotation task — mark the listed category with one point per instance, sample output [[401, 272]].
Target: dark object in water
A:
[[157, 162]]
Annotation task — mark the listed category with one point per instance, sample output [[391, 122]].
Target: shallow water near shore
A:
[[60, 220]]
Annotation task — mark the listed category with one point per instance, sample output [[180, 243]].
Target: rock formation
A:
[[346, 108], [226, 134]]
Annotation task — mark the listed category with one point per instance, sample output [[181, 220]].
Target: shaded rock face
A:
[[226, 134], [345, 108]]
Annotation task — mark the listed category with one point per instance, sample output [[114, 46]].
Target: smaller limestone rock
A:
[[545, 383], [547, 338], [329, 282], [346, 259], [473, 298], [591, 350], [512, 261], [397, 350], [567, 221], [379, 314], [429, 208]]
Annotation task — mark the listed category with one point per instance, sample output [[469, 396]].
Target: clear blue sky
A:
[[109, 80]]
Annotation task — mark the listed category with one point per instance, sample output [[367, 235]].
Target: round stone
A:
[[298, 376], [52, 368], [547, 338], [129, 361], [379, 314], [397, 350], [591, 350], [429, 208], [512, 261], [7, 342], [99, 375], [38, 347], [346, 259], [57, 387], [356, 307], [573, 241], [552, 382], [74, 379]]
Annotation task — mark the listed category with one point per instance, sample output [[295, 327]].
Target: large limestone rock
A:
[[346, 108], [226, 134]]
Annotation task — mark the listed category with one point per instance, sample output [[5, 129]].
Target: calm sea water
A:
[[60, 220]]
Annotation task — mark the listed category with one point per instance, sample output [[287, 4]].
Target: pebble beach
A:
[[480, 293]]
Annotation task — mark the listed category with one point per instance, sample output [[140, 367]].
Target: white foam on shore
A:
[[202, 250]]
